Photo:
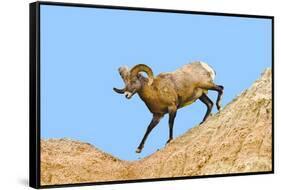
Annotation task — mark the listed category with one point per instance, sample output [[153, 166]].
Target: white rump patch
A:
[[209, 69]]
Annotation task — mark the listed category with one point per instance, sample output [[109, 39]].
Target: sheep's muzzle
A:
[[124, 91], [128, 94]]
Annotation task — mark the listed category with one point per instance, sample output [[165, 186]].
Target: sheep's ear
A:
[[150, 81]]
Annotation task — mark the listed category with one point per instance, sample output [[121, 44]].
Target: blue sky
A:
[[82, 48]]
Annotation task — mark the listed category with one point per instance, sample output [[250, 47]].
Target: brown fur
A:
[[175, 89], [168, 92]]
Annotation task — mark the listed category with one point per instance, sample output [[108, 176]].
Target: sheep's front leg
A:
[[172, 116], [155, 120]]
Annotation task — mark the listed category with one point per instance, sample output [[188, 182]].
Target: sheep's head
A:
[[131, 78]]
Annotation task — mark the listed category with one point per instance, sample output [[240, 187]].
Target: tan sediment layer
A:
[[235, 140]]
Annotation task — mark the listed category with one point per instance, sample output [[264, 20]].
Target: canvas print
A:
[[132, 95]]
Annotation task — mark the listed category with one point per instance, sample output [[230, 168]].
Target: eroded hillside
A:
[[235, 140]]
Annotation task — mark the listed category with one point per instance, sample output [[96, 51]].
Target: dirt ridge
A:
[[237, 139]]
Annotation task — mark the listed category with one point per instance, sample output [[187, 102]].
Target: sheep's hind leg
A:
[[155, 120], [219, 89], [208, 102]]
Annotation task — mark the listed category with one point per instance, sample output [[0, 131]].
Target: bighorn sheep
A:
[[168, 92]]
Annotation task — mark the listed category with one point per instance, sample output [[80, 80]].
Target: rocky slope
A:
[[236, 140]]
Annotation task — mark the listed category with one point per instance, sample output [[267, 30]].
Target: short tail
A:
[[209, 69]]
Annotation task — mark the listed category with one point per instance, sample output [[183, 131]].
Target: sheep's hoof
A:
[[169, 141], [138, 150]]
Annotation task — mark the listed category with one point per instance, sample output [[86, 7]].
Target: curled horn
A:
[[124, 72], [120, 91], [142, 68]]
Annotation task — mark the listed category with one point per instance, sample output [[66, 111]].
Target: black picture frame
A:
[[34, 90]]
